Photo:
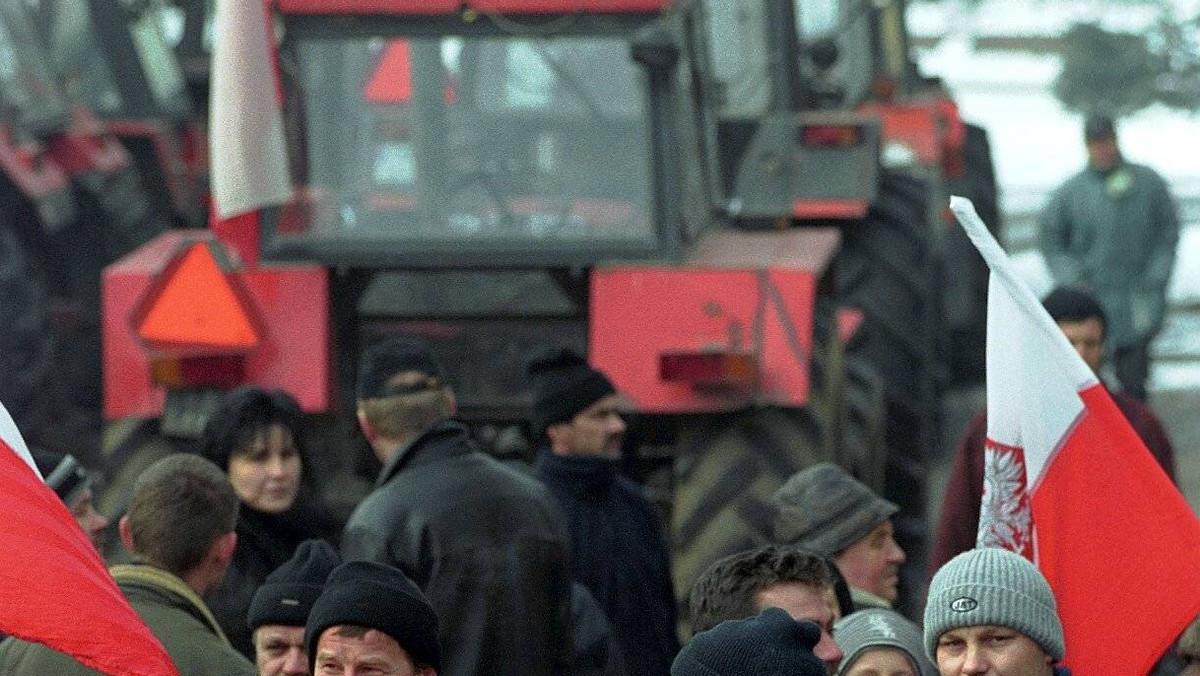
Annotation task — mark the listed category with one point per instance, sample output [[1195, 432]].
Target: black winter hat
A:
[[770, 644], [62, 473], [383, 361], [380, 597], [288, 593], [562, 384]]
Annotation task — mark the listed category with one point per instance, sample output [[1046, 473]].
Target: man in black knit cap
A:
[[370, 618], [280, 608], [768, 644], [617, 544]]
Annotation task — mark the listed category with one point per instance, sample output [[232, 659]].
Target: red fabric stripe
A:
[[54, 588], [1118, 543]]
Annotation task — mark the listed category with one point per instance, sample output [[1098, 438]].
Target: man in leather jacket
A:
[[484, 543]]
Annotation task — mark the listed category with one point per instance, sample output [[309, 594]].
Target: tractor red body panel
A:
[[743, 294], [293, 354]]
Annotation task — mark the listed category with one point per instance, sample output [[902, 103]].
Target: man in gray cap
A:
[[825, 510], [281, 605], [991, 611]]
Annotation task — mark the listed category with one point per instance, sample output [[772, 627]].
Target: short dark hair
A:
[[1099, 127], [242, 415], [728, 589], [180, 504], [1072, 304]]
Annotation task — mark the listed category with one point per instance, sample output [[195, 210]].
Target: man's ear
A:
[[557, 435], [126, 533], [365, 425], [222, 548]]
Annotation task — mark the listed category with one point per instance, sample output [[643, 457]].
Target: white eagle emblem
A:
[[1004, 515]]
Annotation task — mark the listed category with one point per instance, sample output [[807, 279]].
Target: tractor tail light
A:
[[221, 371], [728, 369]]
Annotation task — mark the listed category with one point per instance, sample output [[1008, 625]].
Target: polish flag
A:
[[54, 588], [1069, 484], [247, 147]]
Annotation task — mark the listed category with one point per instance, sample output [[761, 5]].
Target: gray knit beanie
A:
[[992, 586], [872, 628], [825, 510]]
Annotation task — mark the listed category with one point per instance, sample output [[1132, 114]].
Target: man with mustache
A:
[[618, 551], [825, 510]]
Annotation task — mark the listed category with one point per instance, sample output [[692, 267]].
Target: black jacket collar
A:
[[446, 439]]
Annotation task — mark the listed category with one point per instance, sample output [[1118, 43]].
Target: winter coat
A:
[[173, 612], [265, 542], [596, 651], [486, 545], [958, 524], [1115, 233], [618, 553]]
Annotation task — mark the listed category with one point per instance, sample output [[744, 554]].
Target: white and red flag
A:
[[247, 146], [54, 588], [1068, 483]]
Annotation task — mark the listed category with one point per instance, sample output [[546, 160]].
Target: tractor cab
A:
[[468, 139]]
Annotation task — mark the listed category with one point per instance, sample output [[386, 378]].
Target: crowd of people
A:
[[458, 563]]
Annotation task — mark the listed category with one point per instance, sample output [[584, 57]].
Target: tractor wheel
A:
[[726, 469], [886, 269], [967, 275]]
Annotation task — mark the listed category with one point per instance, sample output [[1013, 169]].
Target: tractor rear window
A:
[[474, 140]]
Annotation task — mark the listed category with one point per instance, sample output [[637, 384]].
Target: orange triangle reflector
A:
[[198, 306]]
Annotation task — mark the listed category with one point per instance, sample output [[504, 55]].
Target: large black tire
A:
[[966, 273], [887, 269], [726, 468]]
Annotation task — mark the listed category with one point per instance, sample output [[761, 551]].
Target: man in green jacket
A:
[[1112, 229], [179, 527]]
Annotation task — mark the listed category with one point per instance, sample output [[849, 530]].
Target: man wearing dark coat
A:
[[617, 545], [485, 544], [1082, 319]]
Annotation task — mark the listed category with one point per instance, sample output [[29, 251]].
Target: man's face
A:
[[92, 522], [374, 654], [595, 431], [1102, 153], [279, 651], [881, 662], [873, 563], [1087, 337], [806, 602], [991, 650]]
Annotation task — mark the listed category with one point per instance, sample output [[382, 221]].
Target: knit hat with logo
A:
[[872, 628], [992, 586]]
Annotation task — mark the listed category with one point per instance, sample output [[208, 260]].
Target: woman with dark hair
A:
[[254, 435]]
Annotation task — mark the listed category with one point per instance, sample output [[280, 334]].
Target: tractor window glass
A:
[[738, 36], [77, 58], [27, 84], [475, 140], [163, 72]]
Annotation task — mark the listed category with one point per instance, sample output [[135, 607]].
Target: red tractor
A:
[[713, 226]]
